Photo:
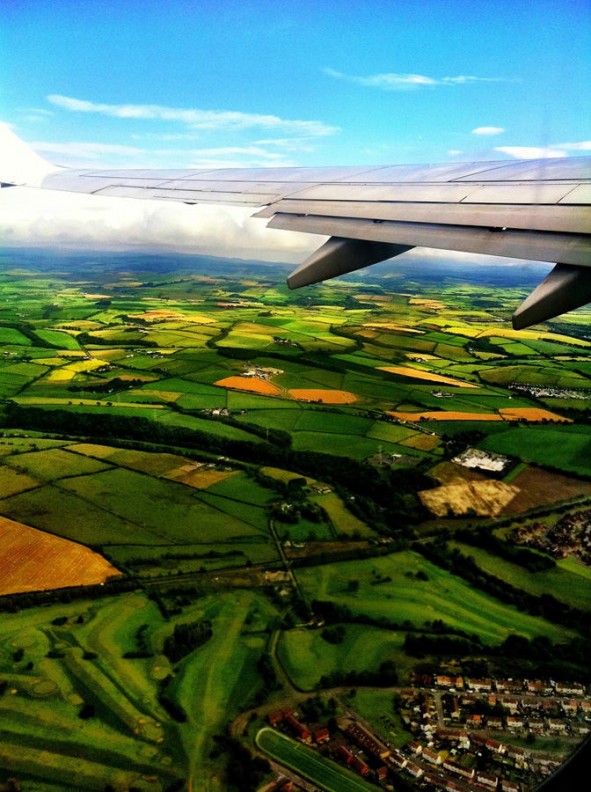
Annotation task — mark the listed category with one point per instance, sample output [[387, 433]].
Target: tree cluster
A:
[[185, 638]]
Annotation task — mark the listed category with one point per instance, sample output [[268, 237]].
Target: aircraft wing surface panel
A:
[[538, 210]]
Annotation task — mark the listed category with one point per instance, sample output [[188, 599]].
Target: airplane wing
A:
[[528, 209]]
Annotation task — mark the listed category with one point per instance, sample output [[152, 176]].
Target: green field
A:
[[308, 763], [442, 596], [570, 584], [238, 510], [306, 656], [566, 448]]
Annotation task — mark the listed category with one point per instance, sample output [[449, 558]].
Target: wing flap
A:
[[564, 219], [513, 243]]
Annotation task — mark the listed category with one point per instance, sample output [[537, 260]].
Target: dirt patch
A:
[[485, 498], [448, 472], [537, 487]]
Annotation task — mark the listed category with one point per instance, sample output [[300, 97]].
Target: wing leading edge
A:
[[533, 209]]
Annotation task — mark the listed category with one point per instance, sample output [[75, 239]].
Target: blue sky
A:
[[192, 83]]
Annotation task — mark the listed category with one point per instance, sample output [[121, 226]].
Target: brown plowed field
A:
[[32, 560]]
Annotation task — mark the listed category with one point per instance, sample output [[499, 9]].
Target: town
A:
[[469, 733]]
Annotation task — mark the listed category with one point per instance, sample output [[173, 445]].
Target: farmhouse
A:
[[398, 759], [463, 772], [538, 686], [487, 779], [431, 756], [300, 730], [569, 689], [274, 718], [479, 685], [321, 735], [382, 773], [344, 754], [494, 723], [414, 770], [508, 685], [367, 741], [360, 766]]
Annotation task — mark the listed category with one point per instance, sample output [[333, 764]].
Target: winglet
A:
[[338, 256], [564, 289], [19, 164]]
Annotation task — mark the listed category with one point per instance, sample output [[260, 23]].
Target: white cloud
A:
[[38, 218], [545, 152], [196, 118], [488, 130], [583, 145], [454, 152], [394, 81]]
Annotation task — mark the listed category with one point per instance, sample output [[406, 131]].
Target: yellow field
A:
[[523, 335], [198, 479], [425, 302], [505, 414], [49, 361], [407, 371], [60, 375], [251, 384], [87, 402], [31, 560], [420, 356], [283, 475], [396, 328], [486, 498], [171, 316], [93, 450], [324, 396], [424, 442], [87, 365]]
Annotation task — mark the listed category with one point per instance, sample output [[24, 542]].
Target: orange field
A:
[[32, 560], [407, 371], [504, 414], [251, 384], [446, 415], [531, 414], [324, 396]]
